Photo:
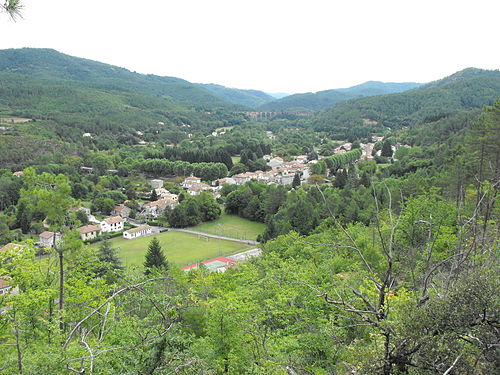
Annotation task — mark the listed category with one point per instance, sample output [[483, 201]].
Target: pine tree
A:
[[109, 260], [155, 257], [386, 149], [296, 180], [154, 196]]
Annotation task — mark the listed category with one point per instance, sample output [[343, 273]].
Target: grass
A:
[[179, 248], [235, 159], [232, 226]]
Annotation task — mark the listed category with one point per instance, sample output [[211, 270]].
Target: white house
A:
[[190, 181], [144, 230], [196, 189], [5, 285], [275, 162], [112, 224], [47, 239], [88, 232], [156, 184]]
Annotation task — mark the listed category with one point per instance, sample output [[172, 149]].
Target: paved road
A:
[[249, 242]]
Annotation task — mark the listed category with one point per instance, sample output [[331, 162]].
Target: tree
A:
[[386, 149], [110, 263], [154, 196], [296, 180], [12, 8], [155, 259]]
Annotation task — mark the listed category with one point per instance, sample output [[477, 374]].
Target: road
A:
[[249, 242]]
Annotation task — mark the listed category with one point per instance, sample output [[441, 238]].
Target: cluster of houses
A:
[[282, 172]]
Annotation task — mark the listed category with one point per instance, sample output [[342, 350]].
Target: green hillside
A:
[[50, 64], [325, 99], [464, 90], [248, 98]]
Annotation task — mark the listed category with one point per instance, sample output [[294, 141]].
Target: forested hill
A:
[[51, 65], [325, 99], [465, 90], [248, 98]]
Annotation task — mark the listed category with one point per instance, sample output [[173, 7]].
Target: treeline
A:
[[217, 155], [302, 210], [194, 210], [162, 167], [337, 161]]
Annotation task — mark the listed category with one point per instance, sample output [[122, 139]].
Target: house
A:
[[142, 231], [219, 264], [275, 162], [5, 285], [158, 207], [88, 232], [122, 211], [196, 189], [112, 224], [286, 179], [10, 247], [190, 181], [18, 174], [165, 194], [47, 239], [226, 180], [80, 208], [241, 178], [156, 184]]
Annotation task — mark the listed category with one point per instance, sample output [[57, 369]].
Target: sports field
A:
[[179, 248], [232, 226]]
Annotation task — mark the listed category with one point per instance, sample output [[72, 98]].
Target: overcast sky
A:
[[271, 45]]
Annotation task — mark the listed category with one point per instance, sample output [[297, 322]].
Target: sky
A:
[[272, 45]]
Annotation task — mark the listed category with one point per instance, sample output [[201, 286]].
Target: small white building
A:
[[88, 232], [190, 181], [112, 224], [275, 162], [144, 230], [47, 239], [156, 184]]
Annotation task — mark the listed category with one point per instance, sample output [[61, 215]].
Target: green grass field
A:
[[179, 248], [232, 226], [235, 159]]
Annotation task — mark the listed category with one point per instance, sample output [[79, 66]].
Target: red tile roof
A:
[[46, 235]]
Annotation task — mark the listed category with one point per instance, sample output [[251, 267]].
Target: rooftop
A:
[[113, 219], [89, 228]]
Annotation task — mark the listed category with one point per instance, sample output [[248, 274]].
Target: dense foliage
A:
[[385, 266]]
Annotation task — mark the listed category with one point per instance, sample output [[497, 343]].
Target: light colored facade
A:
[[88, 232], [156, 184], [275, 162], [190, 181], [196, 189], [142, 231], [47, 239], [112, 224], [122, 211]]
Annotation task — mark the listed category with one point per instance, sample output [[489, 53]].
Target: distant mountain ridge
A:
[[465, 90], [50, 64], [327, 98], [248, 98]]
